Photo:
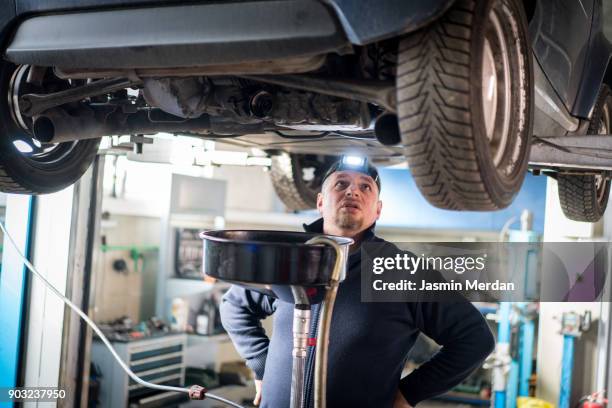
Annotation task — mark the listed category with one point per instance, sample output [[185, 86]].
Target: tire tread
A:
[[578, 193], [434, 85]]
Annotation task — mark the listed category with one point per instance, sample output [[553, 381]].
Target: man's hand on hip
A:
[[257, 399], [400, 401]]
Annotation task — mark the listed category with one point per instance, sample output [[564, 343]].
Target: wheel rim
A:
[[496, 94], [22, 139], [600, 185]]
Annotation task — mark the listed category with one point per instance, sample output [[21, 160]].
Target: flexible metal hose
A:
[[301, 328], [99, 332]]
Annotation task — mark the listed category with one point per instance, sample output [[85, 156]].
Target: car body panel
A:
[[38, 6], [7, 17], [559, 32], [183, 35], [364, 22], [596, 61], [368, 21]]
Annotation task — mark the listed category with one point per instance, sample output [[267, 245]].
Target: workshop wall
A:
[[130, 290], [249, 189], [550, 351]]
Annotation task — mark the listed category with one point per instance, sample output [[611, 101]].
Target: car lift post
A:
[[502, 354], [526, 310], [572, 326]]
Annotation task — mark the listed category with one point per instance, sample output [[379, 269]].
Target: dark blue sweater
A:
[[368, 345]]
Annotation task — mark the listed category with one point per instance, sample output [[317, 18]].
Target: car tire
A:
[[297, 178], [465, 105], [585, 197], [47, 168]]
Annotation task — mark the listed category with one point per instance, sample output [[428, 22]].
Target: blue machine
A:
[[512, 370], [527, 341], [572, 325], [502, 355]]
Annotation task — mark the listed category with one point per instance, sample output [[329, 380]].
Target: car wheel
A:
[[297, 178], [585, 197], [26, 165], [465, 92]]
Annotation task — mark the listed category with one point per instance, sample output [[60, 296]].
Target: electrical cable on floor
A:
[[101, 335]]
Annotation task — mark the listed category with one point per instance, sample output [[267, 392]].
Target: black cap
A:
[[358, 164]]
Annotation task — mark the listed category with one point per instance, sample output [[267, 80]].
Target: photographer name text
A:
[[407, 285]]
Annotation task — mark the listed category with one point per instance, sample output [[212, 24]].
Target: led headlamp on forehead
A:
[[353, 163]]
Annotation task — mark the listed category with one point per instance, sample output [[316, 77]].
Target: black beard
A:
[[346, 221]]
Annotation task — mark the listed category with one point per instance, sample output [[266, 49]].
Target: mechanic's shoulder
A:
[[378, 244], [383, 247]]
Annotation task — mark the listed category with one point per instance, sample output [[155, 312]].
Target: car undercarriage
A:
[[467, 93]]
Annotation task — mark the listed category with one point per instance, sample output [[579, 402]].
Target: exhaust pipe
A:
[[58, 126], [387, 129]]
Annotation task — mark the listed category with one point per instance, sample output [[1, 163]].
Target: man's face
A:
[[348, 203]]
